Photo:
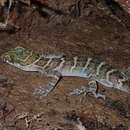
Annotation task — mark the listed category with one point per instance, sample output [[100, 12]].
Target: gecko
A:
[[58, 65]]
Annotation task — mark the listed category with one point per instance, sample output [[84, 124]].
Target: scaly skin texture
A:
[[57, 66]]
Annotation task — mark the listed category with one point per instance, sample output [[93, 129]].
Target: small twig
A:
[[4, 25]]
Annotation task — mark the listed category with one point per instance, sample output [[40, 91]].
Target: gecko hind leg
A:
[[45, 90], [92, 88]]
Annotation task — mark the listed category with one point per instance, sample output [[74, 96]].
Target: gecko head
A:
[[20, 56]]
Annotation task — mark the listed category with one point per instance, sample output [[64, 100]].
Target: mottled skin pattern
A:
[[57, 66]]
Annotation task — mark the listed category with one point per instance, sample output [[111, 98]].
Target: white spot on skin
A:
[[61, 64], [36, 60], [86, 65], [99, 67], [47, 64], [120, 82], [52, 84], [75, 63], [108, 76], [53, 76], [119, 85]]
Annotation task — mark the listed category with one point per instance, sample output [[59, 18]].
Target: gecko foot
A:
[[78, 92], [41, 91]]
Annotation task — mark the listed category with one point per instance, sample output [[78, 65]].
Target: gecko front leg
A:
[[45, 90]]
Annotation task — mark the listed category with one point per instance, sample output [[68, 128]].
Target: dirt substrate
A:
[[96, 34]]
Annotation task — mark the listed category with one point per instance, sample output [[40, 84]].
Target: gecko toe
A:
[[79, 91], [40, 91]]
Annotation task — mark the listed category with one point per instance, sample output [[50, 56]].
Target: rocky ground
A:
[[95, 31]]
